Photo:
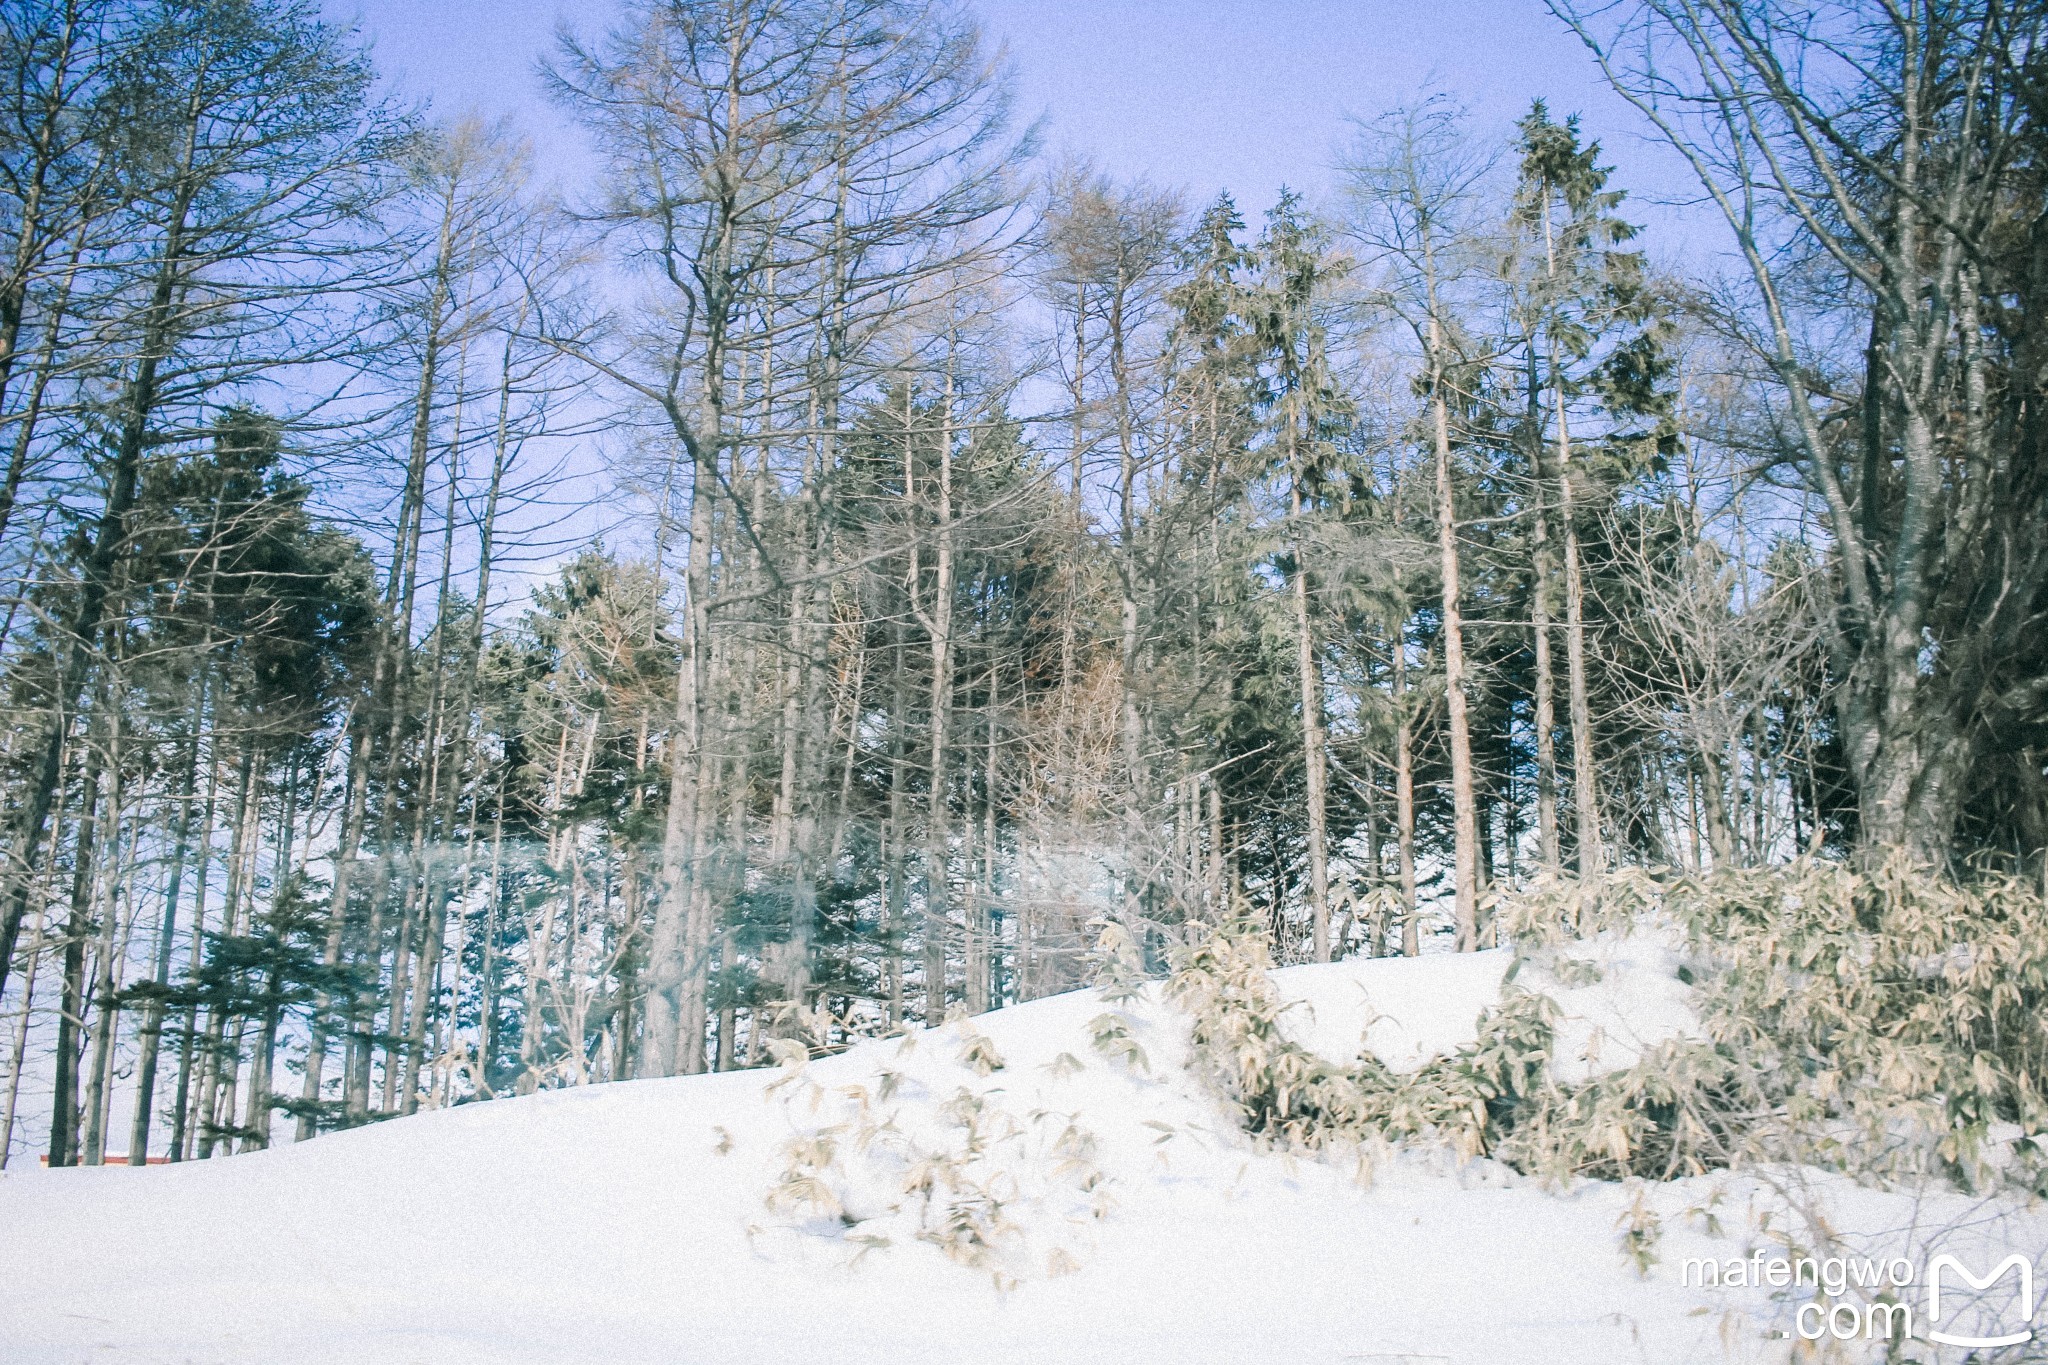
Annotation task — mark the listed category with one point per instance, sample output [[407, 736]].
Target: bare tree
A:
[[1876, 144]]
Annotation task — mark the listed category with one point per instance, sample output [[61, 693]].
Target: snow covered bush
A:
[[1494, 1097], [926, 1150], [1893, 1021], [1888, 1023]]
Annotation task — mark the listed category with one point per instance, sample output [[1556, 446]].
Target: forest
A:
[[835, 569]]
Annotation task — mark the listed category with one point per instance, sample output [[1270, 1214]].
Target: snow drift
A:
[[1045, 1183]]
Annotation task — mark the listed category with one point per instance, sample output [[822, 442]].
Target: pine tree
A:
[[1593, 330]]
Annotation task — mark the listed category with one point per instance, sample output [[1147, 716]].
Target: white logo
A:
[[2024, 1304]]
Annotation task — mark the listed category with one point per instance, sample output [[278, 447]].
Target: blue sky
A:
[[1198, 94]]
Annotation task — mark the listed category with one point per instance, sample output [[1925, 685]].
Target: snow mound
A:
[[1618, 996], [1046, 1183], [1405, 1010]]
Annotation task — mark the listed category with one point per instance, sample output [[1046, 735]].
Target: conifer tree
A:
[[1593, 331]]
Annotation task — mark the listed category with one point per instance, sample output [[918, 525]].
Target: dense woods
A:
[[995, 549]]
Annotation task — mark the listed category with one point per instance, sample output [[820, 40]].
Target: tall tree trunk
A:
[[1308, 666], [980, 890], [895, 832], [1404, 794], [111, 949], [149, 1043], [18, 1057], [1066, 750], [1585, 781], [256, 1117], [64, 1115], [1138, 842], [1540, 592], [1219, 903], [1464, 805], [220, 1059], [188, 1031], [939, 623], [680, 942]]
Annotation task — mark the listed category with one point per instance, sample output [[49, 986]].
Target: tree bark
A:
[[1308, 667], [939, 622], [1545, 686], [1585, 780], [64, 1114], [1464, 805], [1404, 795]]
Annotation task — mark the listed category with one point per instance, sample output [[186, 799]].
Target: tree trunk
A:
[[181, 1132], [64, 1115], [1404, 795], [1539, 620], [149, 1043], [938, 841], [1585, 780], [1464, 806], [112, 945], [1308, 666], [895, 830]]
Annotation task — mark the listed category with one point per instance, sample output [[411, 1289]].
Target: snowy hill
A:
[[1045, 1183]]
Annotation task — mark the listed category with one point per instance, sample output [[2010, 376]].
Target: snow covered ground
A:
[[1096, 1203]]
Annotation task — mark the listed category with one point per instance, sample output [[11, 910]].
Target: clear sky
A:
[[1198, 94]]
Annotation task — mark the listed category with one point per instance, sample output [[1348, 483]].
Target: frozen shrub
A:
[[1889, 1023]]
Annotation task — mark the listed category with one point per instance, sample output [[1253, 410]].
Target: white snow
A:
[[1637, 1002], [1406, 1012], [1405, 1016], [629, 1223]]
